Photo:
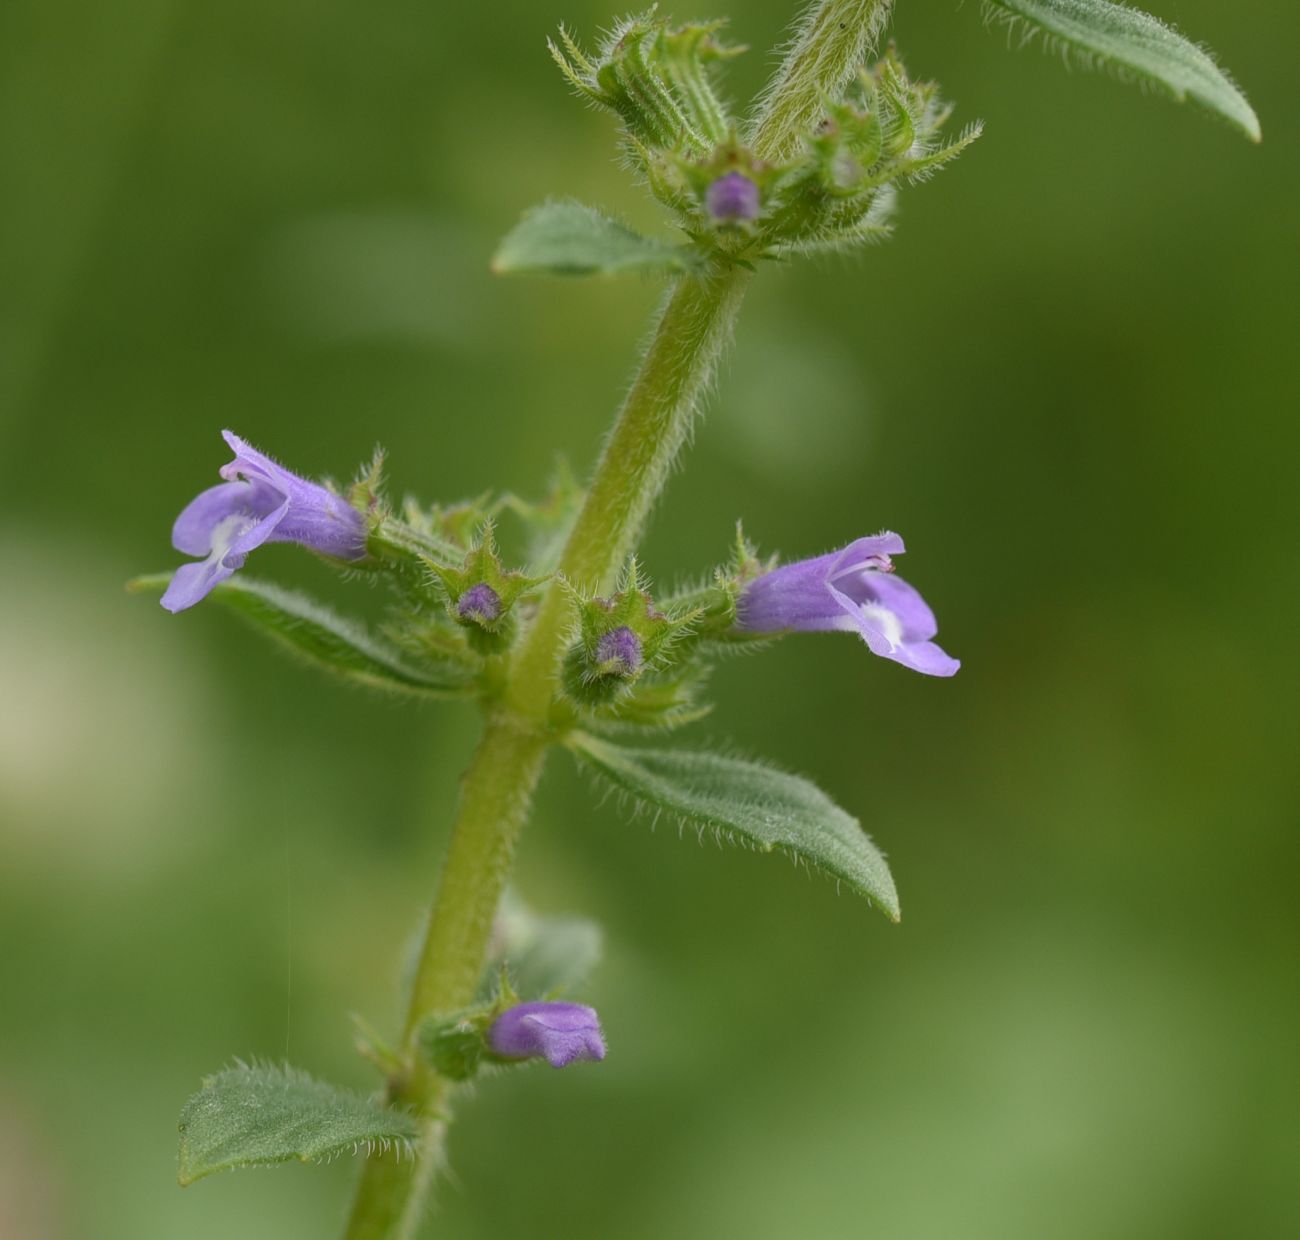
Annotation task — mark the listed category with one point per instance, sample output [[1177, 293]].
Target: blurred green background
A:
[[1069, 382]]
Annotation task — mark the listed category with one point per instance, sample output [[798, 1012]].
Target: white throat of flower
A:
[[891, 627], [225, 532]]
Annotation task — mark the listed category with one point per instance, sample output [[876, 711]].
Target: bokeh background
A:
[[1069, 381]]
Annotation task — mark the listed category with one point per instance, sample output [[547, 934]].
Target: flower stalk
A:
[[694, 327]]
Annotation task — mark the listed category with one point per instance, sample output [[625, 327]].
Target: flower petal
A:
[[192, 582], [926, 657], [793, 596], [252, 464], [867, 553], [896, 624], [192, 532], [913, 612]]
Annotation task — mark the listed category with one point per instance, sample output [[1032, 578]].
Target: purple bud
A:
[[733, 197], [618, 653], [258, 502], [480, 602], [853, 589], [556, 1032]]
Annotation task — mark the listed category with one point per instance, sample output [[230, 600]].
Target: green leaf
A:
[[255, 1116], [569, 239], [313, 631], [544, 956], [749, 803], [1135, 43]]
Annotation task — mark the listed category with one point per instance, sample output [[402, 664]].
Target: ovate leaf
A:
[[569, 239], [1138, 44], [310, 629], [254, 1116], [749, 803]]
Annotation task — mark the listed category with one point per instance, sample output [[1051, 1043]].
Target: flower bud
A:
[[619, 653], [480, 604], [560, 1033], [732, 198], [480, 594], [621, 638]]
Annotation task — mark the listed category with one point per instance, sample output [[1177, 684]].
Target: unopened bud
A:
[[480, 603], [733, 197], [619, 653]]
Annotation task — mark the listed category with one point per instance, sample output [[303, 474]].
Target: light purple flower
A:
[[852, 589], [556, 1032], [258, 502], [733, 197]]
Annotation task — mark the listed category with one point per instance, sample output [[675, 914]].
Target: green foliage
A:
[[254, 1116], [887, 129], [543, 957], [822, 165], [311, 630], [748, 803], [455, 1047], [569, 239], [1137, 45], [658, 79], [831, 42]]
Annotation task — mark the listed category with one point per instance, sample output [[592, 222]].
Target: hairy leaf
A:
[[749, 803], [1135, 43], [254, 1116], [313, 631], [569, 239]]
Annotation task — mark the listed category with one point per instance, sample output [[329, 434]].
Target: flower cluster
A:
[[832, 190]]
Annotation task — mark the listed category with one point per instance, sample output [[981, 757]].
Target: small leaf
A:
[[1137, 43], [544, 956], [313, 631], [749, 803], [569, 239], [255, 1116]]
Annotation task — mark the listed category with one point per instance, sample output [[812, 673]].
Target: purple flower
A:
[[619, 652], [733, 197], [557, 1032], [851, 589], [258, 502]]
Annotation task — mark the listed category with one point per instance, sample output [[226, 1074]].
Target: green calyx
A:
[[658, 79], [838, 191], [620, 640], [456, 1046], [481, 594]]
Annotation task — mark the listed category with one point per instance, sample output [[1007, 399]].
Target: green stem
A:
[[494, 798], [831, 41], [693, 328], [497, 789]]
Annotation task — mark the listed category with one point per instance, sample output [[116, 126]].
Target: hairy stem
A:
[[694, 327], [654, 422], [830, 43]]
